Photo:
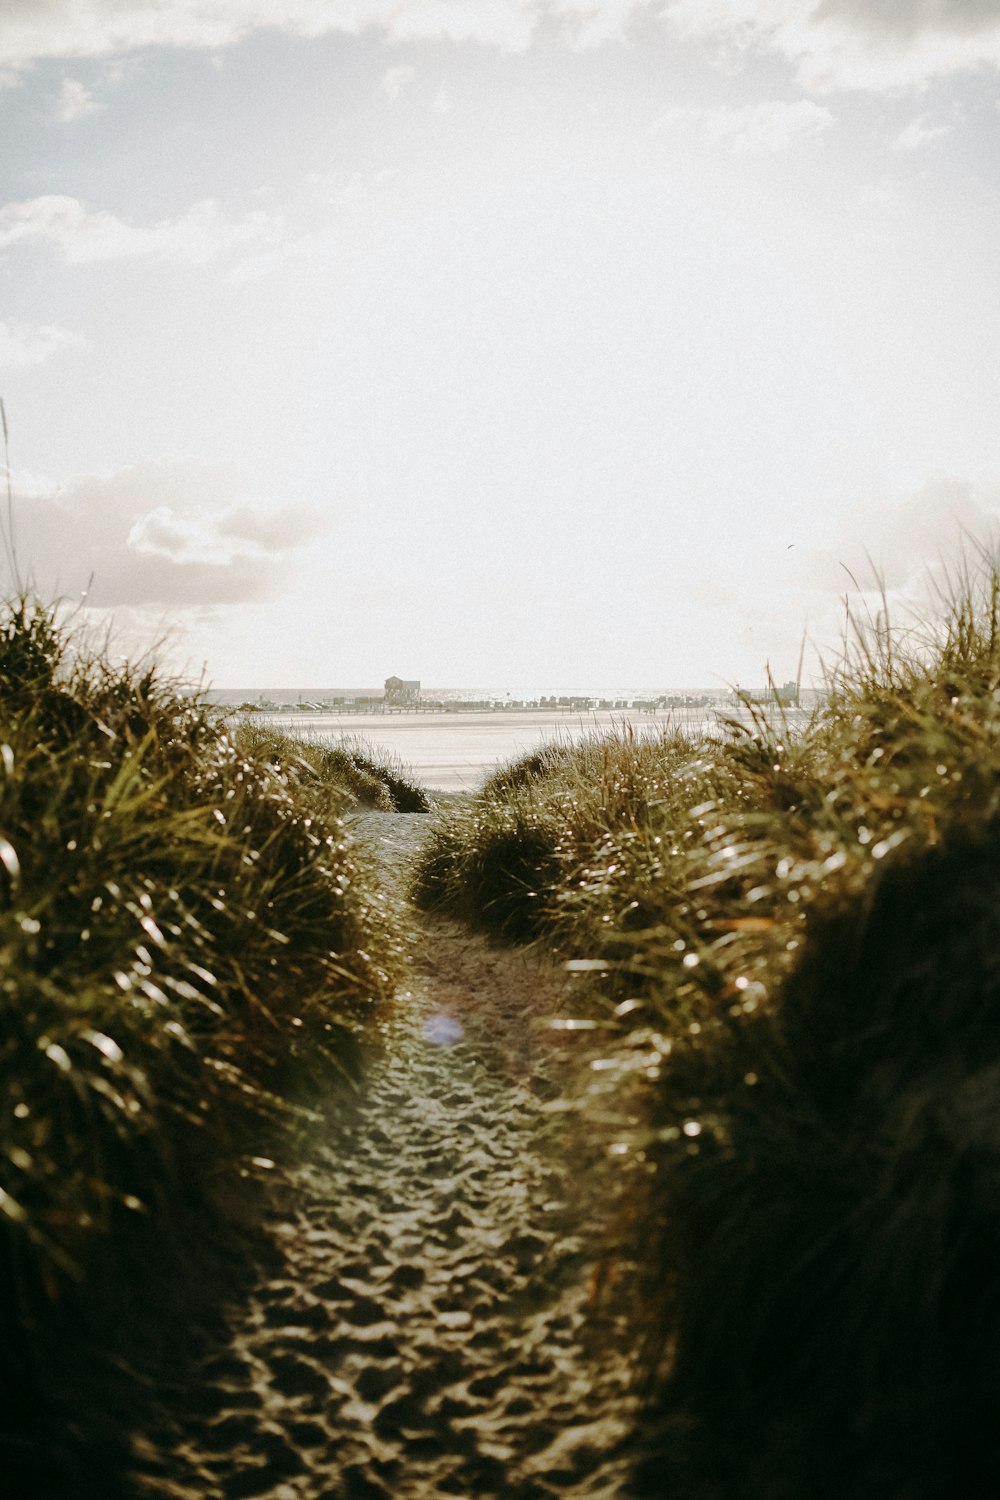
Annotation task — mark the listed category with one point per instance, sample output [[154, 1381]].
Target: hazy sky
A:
[[516, 343]]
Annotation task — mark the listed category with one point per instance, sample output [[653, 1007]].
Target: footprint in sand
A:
[[418, 1340]]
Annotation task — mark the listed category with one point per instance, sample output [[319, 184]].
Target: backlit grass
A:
[[797, 944], [337, 778], [188, 943]]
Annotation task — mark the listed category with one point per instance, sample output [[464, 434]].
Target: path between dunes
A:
[[428, 1331]]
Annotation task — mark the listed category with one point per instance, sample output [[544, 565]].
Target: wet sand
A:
[[428, 1329]]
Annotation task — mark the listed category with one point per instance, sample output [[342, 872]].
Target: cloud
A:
[[770, 126], [907, 540], [395, 79], [910, 550], [908, 18], [183, 539], [21, 345], [257, 266], [33, 30], [171, 533], [82, 235], [918, 133], [75, 102], [591, 23], [852, 44]]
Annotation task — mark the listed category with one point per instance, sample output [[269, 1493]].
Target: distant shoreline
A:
[[326, 702], [451, 749]]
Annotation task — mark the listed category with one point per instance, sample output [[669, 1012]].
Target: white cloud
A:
[[591, 23], [917, 133], [395, 79], [180, 538], [21, 345], [907, 539], [173, 532], [82, 235], [257, 267], [32, 30], [852, 44], [772, 125], [906, 551], [75, 102]]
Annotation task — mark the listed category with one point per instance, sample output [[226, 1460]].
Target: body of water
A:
[[453, 751]]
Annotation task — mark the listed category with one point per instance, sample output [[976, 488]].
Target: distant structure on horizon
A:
[[787, 696], [401, 694], [398, 695]]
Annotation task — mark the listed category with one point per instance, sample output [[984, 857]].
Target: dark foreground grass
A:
[[828, 1242], [799, 944], [187, 947]]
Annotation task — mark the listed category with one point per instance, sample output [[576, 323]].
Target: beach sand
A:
[[427, 1328]]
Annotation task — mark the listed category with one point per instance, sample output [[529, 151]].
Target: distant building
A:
[[400, 694], [787, 696]]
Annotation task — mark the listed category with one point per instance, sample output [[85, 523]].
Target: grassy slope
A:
[[802, 982], [342, 777], [187, 941]]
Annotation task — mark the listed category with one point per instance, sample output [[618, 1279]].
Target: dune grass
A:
[[584, 844], [823, 1217], [796, 944], [188, 943], [337, 778]]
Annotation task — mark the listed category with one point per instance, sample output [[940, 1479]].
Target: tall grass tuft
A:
[[339, 778], [831, 1233], [798, 938], [824, 1164], [586, 844], [186, 940]]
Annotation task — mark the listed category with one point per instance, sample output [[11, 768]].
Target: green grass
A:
[[587, 845], [188, 945], [797, 948], [336, 778]]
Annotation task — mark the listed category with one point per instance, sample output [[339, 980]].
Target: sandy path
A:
[[427, 1332]]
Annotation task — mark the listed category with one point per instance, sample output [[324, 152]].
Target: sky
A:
[[538, 345]]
